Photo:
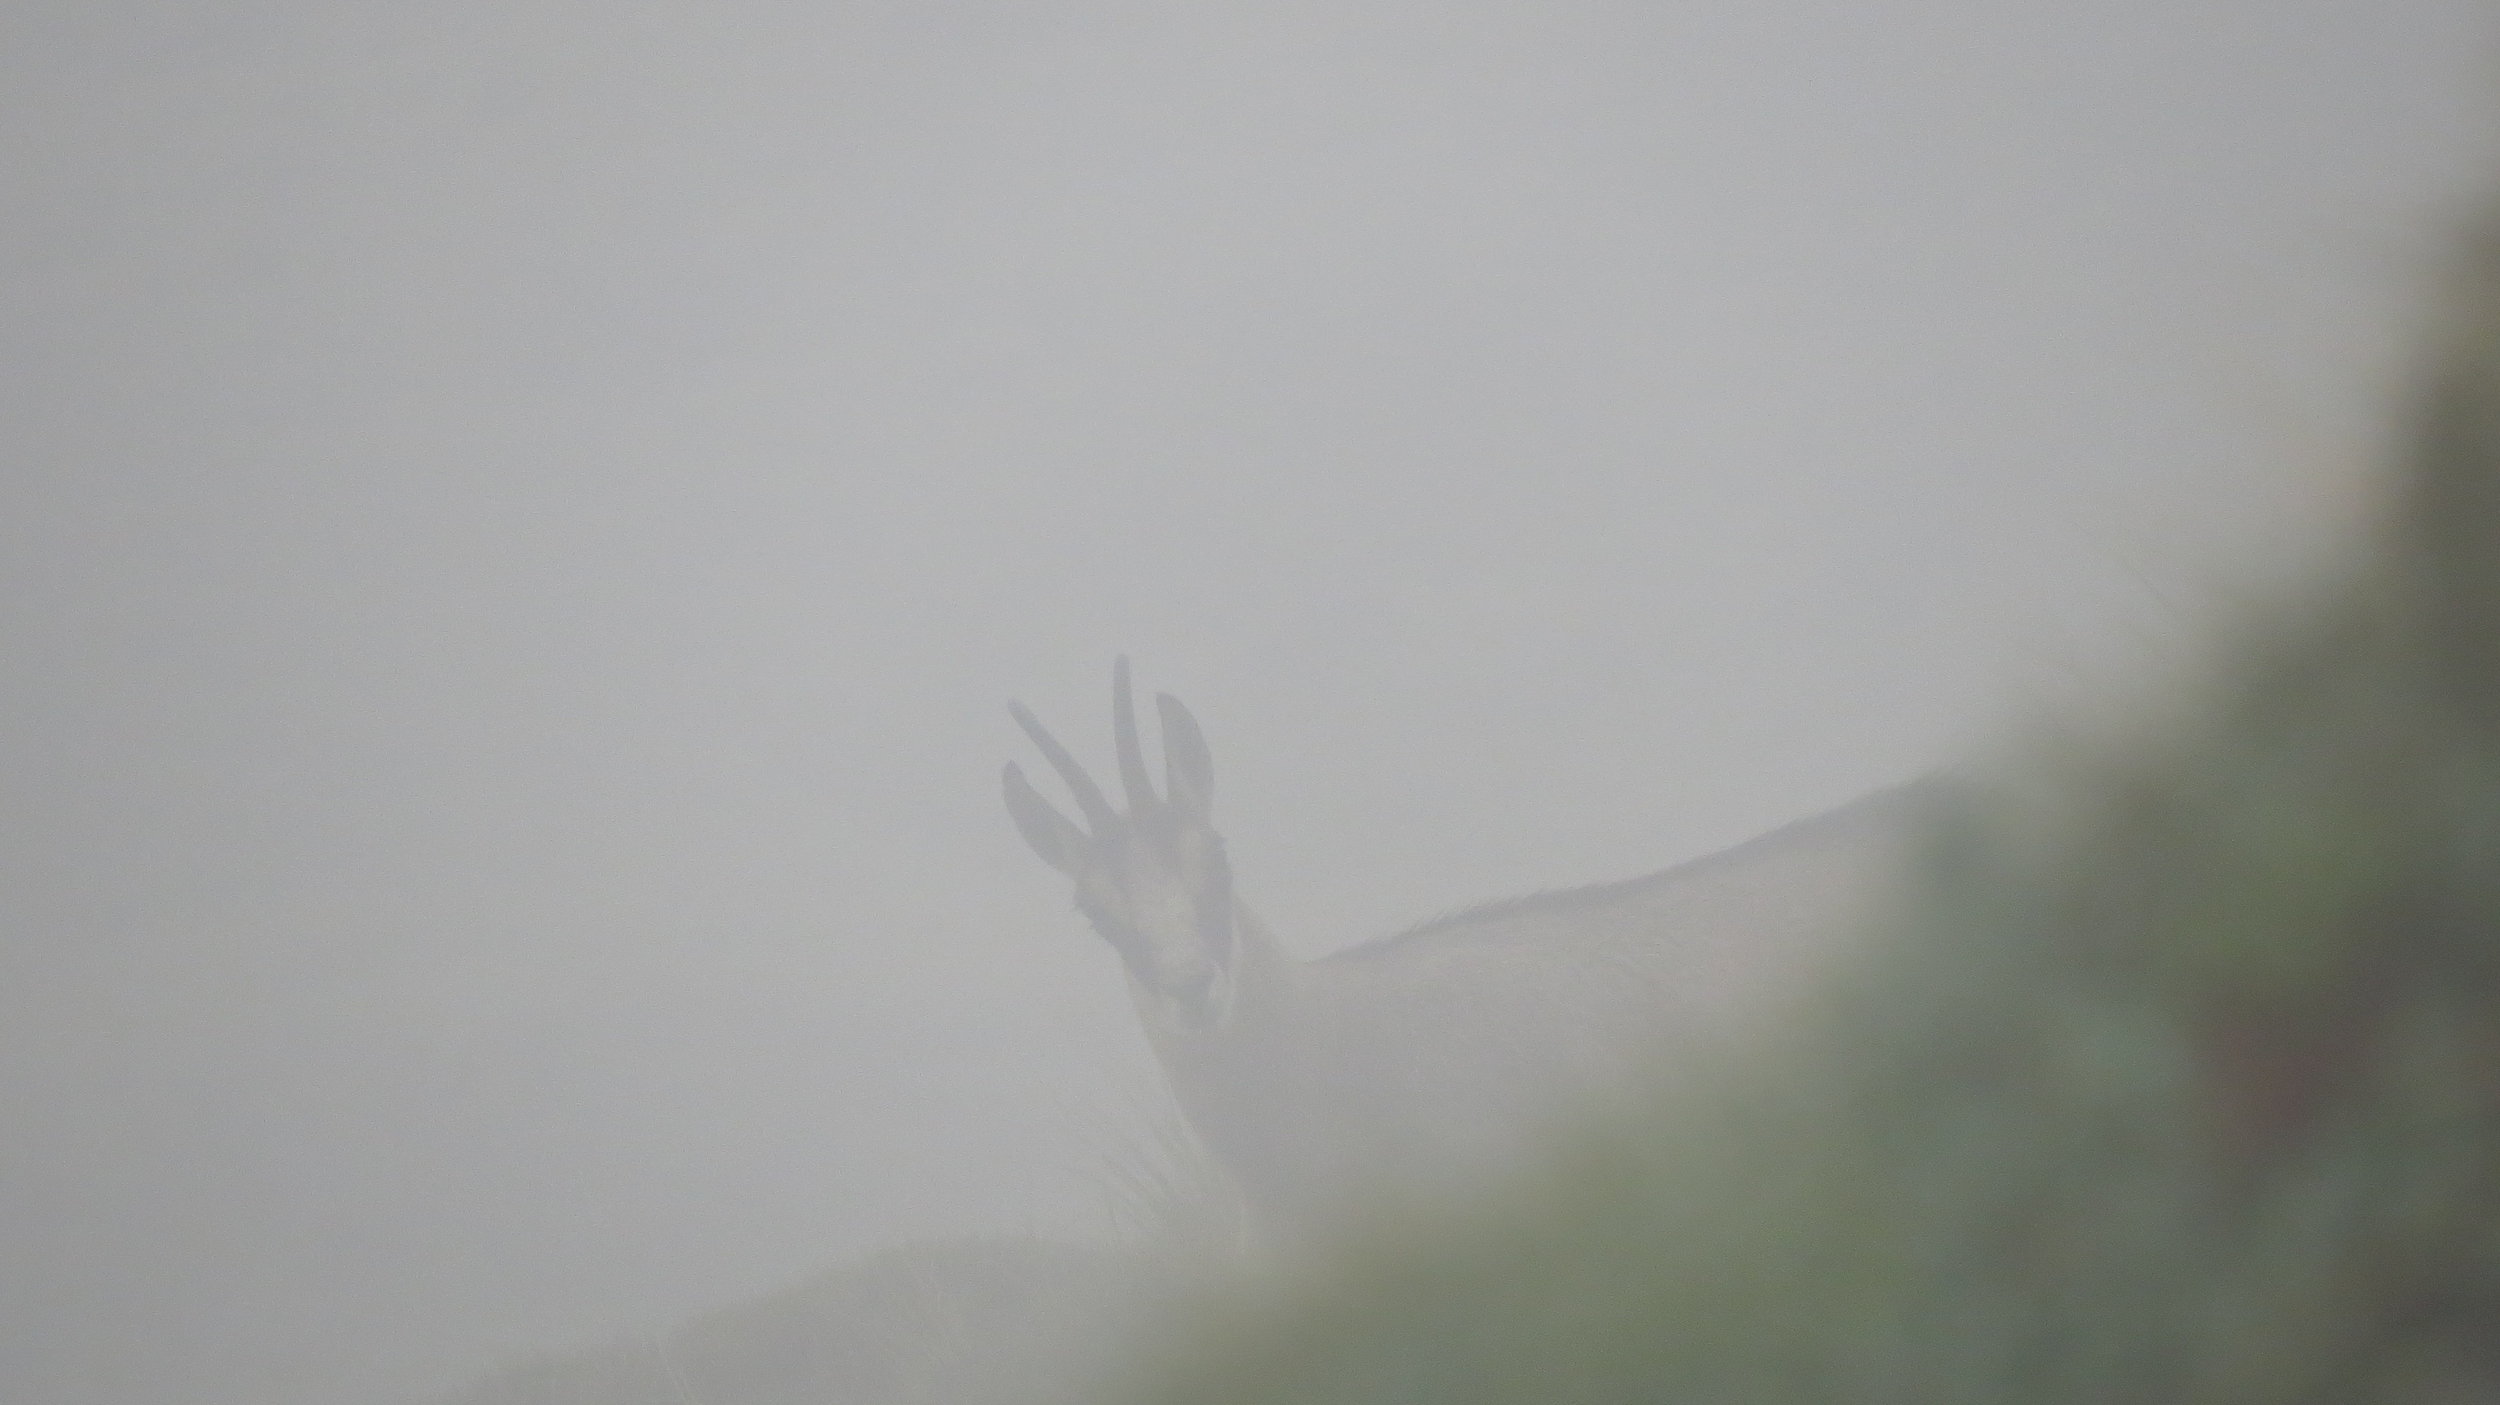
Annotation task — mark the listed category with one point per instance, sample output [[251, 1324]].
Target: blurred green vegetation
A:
[[2175, 1077]]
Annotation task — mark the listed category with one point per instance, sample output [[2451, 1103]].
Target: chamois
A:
[[1417, 1063]]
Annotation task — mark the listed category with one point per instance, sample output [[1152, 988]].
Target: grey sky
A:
[[520, 519]]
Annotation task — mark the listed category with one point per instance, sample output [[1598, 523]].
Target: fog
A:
[[520, 520]]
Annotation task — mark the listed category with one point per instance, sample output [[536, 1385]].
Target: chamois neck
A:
[[1262, 968]]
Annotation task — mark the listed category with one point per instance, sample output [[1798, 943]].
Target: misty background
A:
[[519, 520]]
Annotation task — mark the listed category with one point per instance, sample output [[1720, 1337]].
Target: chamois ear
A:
[[1188, 769], [1053, 836]]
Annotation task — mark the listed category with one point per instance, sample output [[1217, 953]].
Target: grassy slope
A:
[[962, 1322], [2177, 1079]]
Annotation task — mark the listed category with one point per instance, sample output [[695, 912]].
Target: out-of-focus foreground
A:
[[2177, 1078]]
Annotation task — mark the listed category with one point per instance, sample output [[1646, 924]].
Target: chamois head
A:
[[1154, 882]]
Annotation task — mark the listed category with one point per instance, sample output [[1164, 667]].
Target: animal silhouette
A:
[[1421, 1063]]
